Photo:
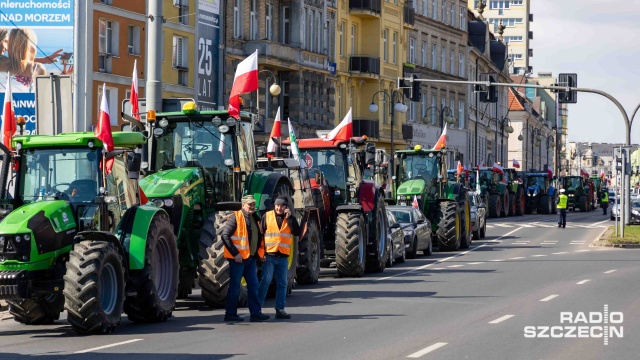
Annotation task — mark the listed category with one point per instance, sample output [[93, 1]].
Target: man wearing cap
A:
[[561, 205], [279, 229], [243, 245]]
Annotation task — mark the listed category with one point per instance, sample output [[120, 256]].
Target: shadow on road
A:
[[121, 356]]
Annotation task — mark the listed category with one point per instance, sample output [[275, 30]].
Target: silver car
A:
[[478, 216], [417, 230]]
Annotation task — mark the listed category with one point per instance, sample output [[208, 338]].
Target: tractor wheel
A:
[[413, 250], [382, 257], [504, 210], [449, 227], [213, 271], [308, 270], [476, 235], [156, 285], [465, 238], [545, 204], [520, 205], [44, 310], [350, 244], [494, 205], [483, 230], [583, 204], [512, 205], [94, 287]]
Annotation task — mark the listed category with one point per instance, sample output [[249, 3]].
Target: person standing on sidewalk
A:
[[604, 201], [243, 246], [562, 209], [279, 228]]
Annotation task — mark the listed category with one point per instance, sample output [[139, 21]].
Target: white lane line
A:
[[437, 269], [325, 294], [582, 250], [560, 253], [610, 271], [549, 297], [476, 263], [426, 350], [501, 319], [446, 259], [517, 258], [107, 346], [583, 282], [599, 222], [538, 255], [455, 266], [496, 260]]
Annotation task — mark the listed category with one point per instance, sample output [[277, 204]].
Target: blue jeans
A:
[[249, 270], [562, 217], [279, 267]]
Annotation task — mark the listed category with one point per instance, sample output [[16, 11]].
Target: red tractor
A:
[[352, 208]]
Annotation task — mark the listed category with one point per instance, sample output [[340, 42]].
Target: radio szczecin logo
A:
[[581, 325]]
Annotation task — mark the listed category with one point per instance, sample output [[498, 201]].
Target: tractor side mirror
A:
[[134, 162], [370, 154]]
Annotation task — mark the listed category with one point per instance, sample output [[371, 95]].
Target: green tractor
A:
[[494, 185], [78, 238], [579, 193], [598, 186], [200, 164], [515, 186], [422, 175]]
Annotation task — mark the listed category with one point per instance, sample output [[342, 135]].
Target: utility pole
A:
[[153, 89]]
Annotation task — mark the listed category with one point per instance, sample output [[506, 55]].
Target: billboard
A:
[[36, 39], [208, 31]]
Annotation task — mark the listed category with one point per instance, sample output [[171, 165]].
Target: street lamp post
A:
[[505, 126], [444, 119], [274, 90], [535, 139], [550, 145], [397, 97]]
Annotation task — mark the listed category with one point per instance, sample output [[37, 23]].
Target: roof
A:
[[318, 143], [121, 139], [516, 101]]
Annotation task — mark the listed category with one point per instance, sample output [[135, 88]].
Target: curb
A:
[[603, 241]]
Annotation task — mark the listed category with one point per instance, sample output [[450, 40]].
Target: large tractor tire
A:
[[41, 311], [94, 287], [308, 271], [545, 204], [156, 285], [449, 227], [512, 205], [351, 245], [465, 221], [186, 282], [382, 255], [504, 210], [520, 202], [213, 271], [583, 203], [494, 205]]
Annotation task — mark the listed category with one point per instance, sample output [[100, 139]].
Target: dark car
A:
[[396, 236], [416, 228]]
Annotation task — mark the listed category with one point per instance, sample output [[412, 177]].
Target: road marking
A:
[[599, 222], [582, 282], [437, 269], [325, 294], [504, 225], [549, 297], [560, 253], [527, 225], [107, 346], [476, 263], [582, 250], [538, 255], [455, 266], [426, 350], [501, 319], [496, 260], [517, 258], [610, 271]]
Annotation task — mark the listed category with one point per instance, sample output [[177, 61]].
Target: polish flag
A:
[[550, 174], [245, 80], [415, 204], [467, 168], [442, 141], [344, 130], [276, 132], [516, 164], [8, 115], [103, 130], [133, 97], [583, 173], [602, 173], [497, 168], [459, 169], [143, 197]]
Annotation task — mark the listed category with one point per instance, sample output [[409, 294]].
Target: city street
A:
[[472, 304]]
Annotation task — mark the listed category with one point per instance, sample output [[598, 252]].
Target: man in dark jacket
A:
[[243, 245], [279, 228]]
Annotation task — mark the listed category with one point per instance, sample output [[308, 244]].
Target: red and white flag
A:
[[245, 80], [276, 132], [459, 168], [442, 141], [344, 130], [602, 173], [8, 115], [550, 174], [583, 173], [415, 204], [103, 130], [516, 164], [497, 168], [133, 97]]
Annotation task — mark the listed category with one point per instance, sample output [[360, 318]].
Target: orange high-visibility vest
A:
[[277, 239], [240, 239]]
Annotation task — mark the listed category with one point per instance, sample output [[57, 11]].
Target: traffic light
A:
[[567, 97], [488, 94], [415, 90]]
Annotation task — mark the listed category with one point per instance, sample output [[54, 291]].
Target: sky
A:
[[600, 41]]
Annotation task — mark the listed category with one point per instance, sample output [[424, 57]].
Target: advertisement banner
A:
[[208, 54], [36, 39]]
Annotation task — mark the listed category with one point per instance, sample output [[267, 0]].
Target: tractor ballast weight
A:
[[201, 163], [421, 176], [540, 194], [79, 239], [495, 185]]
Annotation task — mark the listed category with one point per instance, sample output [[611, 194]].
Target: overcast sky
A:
[[600, 41]]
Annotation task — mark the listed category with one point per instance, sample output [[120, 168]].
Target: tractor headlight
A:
[[157, 202], [162, 202], [223, 129], [18, 238], [163, 123], [26, 237]]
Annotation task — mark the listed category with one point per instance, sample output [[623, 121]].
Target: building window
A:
[[444, 11], [395, 47], [452, 64], [461, 118], [412, 50], [237, 19], [443, 59], [461, 65], [134, 40], [434, 108], [354, 36], [385, 45], [183, 11], [179, 59], [452, 14], [286, 24], [107, 44], [499, 4], [423, 103], [434, 9], [463, 18], [285, 99], [434, 56], [253, 20], [341, 38], [424, 54], [424, 8]]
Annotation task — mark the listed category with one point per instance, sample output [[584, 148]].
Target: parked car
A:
[[635, 211], [478, 216], [416, 228], [397, 251], [614, 203]]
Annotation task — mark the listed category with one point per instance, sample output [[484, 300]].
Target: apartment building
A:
[[516, 16]]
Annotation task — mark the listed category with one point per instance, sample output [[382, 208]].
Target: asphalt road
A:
[[474, 304]]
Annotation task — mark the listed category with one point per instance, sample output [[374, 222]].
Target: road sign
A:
[[309, 160]]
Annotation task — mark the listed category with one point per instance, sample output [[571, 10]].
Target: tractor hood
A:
[[31, 216], [166, 183], [412, 187]]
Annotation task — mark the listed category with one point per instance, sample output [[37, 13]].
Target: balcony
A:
[[409, 17], [286, 54], [364, 64], [369, 127], [367, 8]]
